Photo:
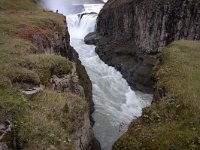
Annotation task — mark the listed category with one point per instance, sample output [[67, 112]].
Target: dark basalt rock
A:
[[133, 33], [85, 82], [91, 38], [83, 14]]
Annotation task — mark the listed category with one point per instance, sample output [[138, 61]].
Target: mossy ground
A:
[[50, 121], [46, 120], [173, 122]]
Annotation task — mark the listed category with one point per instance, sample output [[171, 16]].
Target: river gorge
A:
[[115, 103], [99, 74]]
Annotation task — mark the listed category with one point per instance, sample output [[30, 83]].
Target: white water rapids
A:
[[116, 105]]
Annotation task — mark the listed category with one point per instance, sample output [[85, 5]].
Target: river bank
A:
[[172, 120]]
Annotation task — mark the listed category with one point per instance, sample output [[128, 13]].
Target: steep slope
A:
[[42, 103], [173, 121], [133, 32]]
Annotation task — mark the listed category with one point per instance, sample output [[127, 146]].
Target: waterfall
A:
[[83, 23], [80, 26]]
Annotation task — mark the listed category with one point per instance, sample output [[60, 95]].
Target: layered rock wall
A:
[[133, 32]]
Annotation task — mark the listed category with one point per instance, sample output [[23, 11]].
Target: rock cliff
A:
[[133, 32]]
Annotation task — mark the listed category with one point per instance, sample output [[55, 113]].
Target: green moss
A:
[[18, 5], [46, 65], [171, 123], [12, 102], [45, 76]]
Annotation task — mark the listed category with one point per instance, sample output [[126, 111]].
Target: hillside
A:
[[42, 104], [172, 122]]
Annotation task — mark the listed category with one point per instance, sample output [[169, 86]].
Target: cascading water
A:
[[115, 103]]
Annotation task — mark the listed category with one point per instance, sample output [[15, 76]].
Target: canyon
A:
[[85, 80]]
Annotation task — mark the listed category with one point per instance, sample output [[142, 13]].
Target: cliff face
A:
[[133, 32]]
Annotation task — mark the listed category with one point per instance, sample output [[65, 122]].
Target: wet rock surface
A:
[[91, 38], [84, 135], [134, 32]]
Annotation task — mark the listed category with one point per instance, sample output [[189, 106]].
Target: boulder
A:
[[91, 39], [67, 83], [32, 91]]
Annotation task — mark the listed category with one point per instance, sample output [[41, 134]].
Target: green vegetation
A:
[[18, 5], [173, 122], [47, 120], [50, 120], [46, 65]]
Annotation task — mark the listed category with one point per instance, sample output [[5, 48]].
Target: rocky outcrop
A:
[[49, 39], [84, 135], [91, 38], [68, 83], [133, 33], [7, 136], [32, 91]]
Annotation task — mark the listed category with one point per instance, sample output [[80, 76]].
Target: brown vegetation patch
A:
[[28, 32]]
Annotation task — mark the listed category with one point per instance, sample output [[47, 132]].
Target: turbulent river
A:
[[116, 105]]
